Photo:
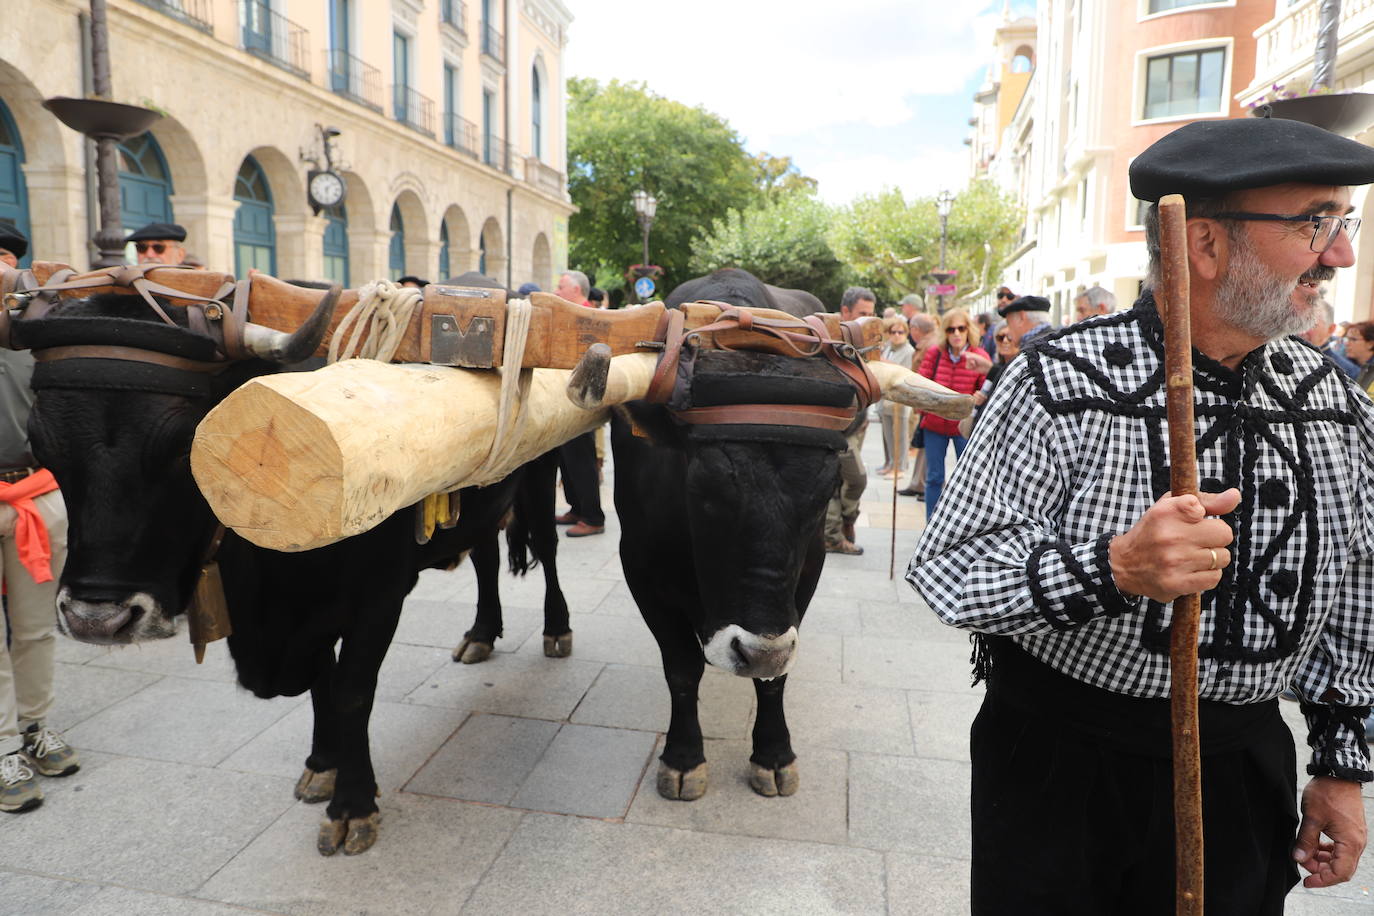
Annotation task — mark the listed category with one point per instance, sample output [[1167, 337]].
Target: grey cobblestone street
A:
[[525, 785]]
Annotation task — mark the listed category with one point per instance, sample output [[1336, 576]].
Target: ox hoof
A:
[[315, 787], [679, 786], [558, 646], [771, 783], [354, 835], [471, 651]]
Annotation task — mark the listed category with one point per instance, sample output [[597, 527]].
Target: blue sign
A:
[[644, 287]]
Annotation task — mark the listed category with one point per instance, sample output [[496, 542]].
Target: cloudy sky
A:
[[869, 94]]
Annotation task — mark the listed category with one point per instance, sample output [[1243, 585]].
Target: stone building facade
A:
[[445, 118]]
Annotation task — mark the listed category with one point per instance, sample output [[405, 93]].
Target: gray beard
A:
[[1253, 299]]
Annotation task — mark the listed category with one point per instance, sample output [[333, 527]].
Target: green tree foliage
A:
[[777, 177], [782, 240], [894, 244], [622, 137]]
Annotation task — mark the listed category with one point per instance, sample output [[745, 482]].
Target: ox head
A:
[[119, 395], [752, 496]]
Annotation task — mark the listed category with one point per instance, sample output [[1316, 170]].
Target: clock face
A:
[[326, 189]]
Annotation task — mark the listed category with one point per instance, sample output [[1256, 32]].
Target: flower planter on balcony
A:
[[1344, 113]]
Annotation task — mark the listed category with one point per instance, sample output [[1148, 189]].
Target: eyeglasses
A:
[[1003, 338], [897, 331], [158, 247], [961, 328], [1324, 231], [1006, 295]]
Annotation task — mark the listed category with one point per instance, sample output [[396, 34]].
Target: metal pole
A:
[[109, 239], [1324, 62], [944, 223], [643, 222]]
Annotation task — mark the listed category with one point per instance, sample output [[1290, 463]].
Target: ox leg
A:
[[682, 772], [479, 641], [321, 767], [773, 769], [537, 503], [352, 817]]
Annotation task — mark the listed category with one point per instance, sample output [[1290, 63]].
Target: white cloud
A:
[[923, 172]]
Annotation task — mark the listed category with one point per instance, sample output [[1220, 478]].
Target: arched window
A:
[[255, 239], [444, 272], [336, 244], [397, 261], [14, 195], [482, 253], [145, 184], [536, 115], [1023, 61]]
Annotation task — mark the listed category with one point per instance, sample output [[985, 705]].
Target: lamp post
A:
[[943, 204], [646, 205]]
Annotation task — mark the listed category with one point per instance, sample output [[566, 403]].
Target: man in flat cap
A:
[[1066, 570], [1028, 318], [13, 245], [159, 243]]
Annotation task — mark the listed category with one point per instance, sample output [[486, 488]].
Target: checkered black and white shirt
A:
[[1071, 451]]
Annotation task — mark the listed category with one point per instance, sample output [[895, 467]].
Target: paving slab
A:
[[429, 855], [588, 771], [820, 658], [875, 720], [441, 624], [87, 690], [407, 667], [34, 895], [511, 684], [618, 602], [487, 760], [145, 824], [167, 721], [926, 885], [1302, 902], [631, 696], [574, 866], [894, 620], [940, 722], [606, 638], [906, 664], [833, 616], [172, 655], [816, 813], [123, 901], [910, 804]]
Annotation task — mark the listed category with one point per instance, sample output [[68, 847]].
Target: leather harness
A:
[[805, 337]]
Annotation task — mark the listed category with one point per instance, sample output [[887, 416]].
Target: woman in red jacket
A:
[[947, 364]]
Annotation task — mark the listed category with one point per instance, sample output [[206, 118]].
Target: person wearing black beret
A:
[[1065, 572], [13, 245], [1028, 317], [159, 243]]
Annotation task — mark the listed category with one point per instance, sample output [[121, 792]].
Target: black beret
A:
[[13, 241], [409, 279], [154, 231], [1213, 158], [1025, 304]]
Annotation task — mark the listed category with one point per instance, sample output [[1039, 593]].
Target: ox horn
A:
[[902, 386], [601, 380], [287, 348]]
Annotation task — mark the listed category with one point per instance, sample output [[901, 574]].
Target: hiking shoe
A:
[[18, 789], [844, 545], [49, 752]]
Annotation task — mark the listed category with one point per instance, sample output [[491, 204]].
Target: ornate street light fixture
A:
[[646, 205]]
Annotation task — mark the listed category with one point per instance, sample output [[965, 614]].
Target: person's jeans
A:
[[936, 447]]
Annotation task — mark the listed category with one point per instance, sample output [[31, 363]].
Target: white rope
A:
[[515, 386], [384, 311]]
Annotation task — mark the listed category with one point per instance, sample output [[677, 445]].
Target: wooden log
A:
[[299, 460]]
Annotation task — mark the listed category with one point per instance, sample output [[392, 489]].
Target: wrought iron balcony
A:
[[412, 109], [543, 176], [491, 44], [454, 13], [353, 79], [461, 134], [274, 38], [195, 13]]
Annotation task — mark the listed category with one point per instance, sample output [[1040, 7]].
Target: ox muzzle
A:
[[733, 648], [133, 618]]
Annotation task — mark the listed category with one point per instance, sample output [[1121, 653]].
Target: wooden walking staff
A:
[[1178, 370]]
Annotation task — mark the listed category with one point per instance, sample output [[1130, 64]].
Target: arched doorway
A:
[[145, 183], [255, 243], [396, 259], [14, 195], [336, 244], [444, 272], [541, 262]]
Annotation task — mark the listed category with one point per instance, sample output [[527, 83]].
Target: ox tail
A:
[[531, 535], [521, 552]]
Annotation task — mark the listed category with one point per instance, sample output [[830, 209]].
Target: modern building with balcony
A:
[[1110, 78], [445, 119]]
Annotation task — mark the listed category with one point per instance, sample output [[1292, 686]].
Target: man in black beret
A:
[[1028, 317], [1066, 570], [159, 243], [13, 245]]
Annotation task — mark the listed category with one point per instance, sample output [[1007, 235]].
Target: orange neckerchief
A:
[[30, 533]]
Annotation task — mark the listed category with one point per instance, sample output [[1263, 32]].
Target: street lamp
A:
[[944, 202], [646, 205]]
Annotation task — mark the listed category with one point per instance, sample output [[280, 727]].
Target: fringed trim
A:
[[1325, 723], [980, 659]]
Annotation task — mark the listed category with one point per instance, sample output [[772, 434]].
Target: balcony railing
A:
[[454, 13], [462, 135], [491, 44], [497, 153], [195, 13], [274, 38], [412, 109], [351, 78], [543, 176], [1289, 40]]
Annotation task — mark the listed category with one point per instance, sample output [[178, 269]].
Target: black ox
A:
[[117, 435]]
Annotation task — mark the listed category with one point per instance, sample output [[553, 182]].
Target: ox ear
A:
[[903, 386], [281, 347]]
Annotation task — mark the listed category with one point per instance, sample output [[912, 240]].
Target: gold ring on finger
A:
[[1214, 558]]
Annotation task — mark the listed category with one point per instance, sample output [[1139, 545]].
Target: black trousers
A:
[[1070, 823], [581, 484]]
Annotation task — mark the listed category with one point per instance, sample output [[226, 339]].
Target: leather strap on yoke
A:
[[832, 418]]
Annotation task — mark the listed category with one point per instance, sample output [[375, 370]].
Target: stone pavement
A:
[[525, 785]]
